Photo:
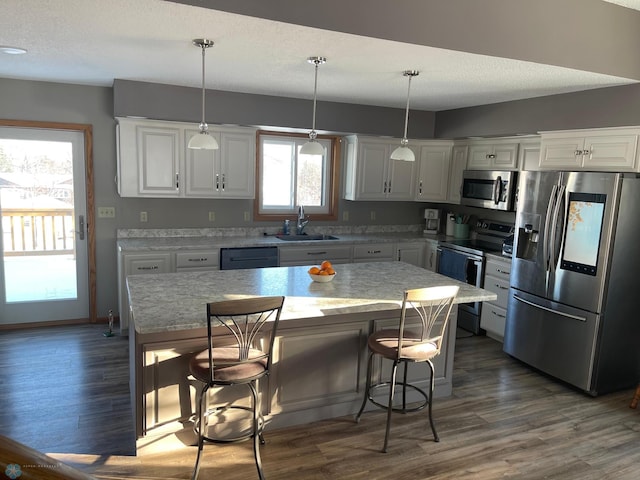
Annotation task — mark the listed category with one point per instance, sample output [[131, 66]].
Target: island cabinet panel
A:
[[169, 395], [318, 367]]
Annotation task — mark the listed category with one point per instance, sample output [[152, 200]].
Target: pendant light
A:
[[203, 141], [403, 152], [312, 147]]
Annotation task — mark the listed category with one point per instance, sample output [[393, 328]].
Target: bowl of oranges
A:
[[322, 274]]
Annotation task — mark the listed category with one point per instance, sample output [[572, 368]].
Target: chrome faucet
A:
[[301, 221]]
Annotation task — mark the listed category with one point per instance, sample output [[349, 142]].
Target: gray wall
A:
[[27, 100], [603, 107], [51, 102]]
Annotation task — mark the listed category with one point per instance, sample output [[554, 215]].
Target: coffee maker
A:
[[432, 220]]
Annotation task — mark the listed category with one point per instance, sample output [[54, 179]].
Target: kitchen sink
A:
[[305, 237]]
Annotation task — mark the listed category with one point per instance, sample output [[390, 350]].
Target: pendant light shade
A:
[[403, 152], [203, 141], [312, 147]]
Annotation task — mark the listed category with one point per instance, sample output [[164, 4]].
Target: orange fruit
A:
[[326, 264], [323, 272], [330, 271], [314, 270]]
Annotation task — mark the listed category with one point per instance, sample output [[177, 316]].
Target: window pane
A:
[[277, 167], [310, 180]]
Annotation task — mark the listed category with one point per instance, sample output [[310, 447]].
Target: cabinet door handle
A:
[[503, 271], [586, 152], [152, 267], [203, 259], [497, 314], [501, 287], [420, 188], [578, 152], [217, 181], [374, 251], [177, 181], [316, 253], [490, 156], [223, 182]]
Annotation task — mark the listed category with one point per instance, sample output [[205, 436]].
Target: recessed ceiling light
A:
[[13, 50]]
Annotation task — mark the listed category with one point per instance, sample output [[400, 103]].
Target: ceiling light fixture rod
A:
[[410, 74], [403, 152], [312, 147], [203, 140]]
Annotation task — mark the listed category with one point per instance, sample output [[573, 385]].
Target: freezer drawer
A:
[[554, 338]]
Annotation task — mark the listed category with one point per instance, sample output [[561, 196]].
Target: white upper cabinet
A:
[[434, 164], [603, 149], [493, 154], [372, 175], [458, 165], [154, 161]]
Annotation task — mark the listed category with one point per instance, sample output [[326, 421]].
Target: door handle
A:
[[497, 190], [550, 310], [81, 225]]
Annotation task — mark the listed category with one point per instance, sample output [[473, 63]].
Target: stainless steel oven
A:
[[489, 189], [468, 268], [464, 260]]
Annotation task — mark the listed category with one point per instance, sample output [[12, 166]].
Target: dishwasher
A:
[[236, 258]]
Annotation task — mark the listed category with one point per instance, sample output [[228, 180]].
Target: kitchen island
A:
[[320, 351]]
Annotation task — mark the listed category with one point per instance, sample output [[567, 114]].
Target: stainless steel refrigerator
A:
[[574, 301]]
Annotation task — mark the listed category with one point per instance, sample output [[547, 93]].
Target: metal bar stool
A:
[[421, 345], [242, 357]]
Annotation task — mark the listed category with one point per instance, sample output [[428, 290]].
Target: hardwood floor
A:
[[65, 392]]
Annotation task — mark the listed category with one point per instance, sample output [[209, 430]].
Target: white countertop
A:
[[177, 301], [182, 242]]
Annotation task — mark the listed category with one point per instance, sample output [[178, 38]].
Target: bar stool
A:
[[420, 345], [636, 398], [242, 356]]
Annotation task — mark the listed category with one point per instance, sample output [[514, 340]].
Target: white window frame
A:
[[330, 166]]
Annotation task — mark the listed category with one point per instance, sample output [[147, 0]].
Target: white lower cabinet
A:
[[496, 280], [306, 255], [373, 252], [197, 261], [412, 253], [138, 264], [430, 255]]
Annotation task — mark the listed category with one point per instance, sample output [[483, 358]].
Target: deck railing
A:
[[45, 231]]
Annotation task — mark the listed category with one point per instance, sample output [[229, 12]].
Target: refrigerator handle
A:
[[550, 310], [555, 249], [547, 223]]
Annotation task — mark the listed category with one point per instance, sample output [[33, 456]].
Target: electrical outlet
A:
[[106, 212], [247, 216], [345, 216], [143, 216], [212, 216], [373, 215]]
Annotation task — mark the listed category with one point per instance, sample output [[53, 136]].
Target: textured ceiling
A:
[[93, 42]]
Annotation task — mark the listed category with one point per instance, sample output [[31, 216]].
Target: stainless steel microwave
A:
[[489, 189]]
